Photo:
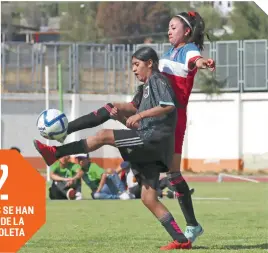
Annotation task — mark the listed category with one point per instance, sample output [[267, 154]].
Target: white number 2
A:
[[3, 179]]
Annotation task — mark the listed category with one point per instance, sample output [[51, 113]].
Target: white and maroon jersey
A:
[[176, 65]]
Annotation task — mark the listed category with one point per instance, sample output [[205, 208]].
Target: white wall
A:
[[230, 126]]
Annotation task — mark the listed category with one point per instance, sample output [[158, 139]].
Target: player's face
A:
[[141, 69], [176, 32]]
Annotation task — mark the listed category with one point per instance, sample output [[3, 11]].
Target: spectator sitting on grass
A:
[[103, 184], [63, 185]]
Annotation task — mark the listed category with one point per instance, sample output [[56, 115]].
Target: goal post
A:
[[47, 107]]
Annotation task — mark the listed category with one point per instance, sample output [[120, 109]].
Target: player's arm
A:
[[122, 111], [153, 112], [126, 109], [162, 93], [129, 109], [116, 114], [203, 63], [157, 111], [193, 59]]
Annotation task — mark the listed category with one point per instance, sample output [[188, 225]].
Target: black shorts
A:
[[133, 148], [148, 174], [143, 157]]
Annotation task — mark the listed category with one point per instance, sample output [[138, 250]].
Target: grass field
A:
[[236, 225]]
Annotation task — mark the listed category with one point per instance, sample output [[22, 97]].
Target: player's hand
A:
[[210, 63], [205, 64], [133, 121], [114, 114]]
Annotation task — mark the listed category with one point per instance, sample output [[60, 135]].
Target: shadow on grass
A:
[[234, 247], [239, 247]]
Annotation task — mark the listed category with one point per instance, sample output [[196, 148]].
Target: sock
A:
[[76, 147], [170, 194], [184, 197], [90, 120], [172, 228]]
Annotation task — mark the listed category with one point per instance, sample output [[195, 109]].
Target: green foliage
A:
[[209, 83], [248, 22], [127, 22], [78, 22], [178, 7], [211, 16], [51, 9]]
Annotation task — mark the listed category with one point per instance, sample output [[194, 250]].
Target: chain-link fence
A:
[[106, 69]]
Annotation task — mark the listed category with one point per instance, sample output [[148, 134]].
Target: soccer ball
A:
[[52, 124]]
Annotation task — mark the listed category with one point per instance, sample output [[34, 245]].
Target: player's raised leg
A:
[[92, 143], [100, 116], [90, 120]]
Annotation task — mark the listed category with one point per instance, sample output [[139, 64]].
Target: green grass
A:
[[236, 225]]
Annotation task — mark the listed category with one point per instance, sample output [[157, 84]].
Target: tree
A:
[[31, 15], [209, 84], [248, 21], [211, 16], [178, 7], [131, 22], [78, 21], [51, 9]]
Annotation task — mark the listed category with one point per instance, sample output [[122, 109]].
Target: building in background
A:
[[224, 7]]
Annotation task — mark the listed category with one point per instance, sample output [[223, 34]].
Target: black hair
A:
[[16, 148], [146, 54], [197, 27]]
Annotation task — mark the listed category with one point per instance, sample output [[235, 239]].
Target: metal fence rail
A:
[[102, 68]]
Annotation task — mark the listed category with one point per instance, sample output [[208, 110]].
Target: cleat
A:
[[177, 245], [192, 191], [71, 194], [47, 152], [191, 232]]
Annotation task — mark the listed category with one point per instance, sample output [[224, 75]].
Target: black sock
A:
[[184, 197], [76, 147], [172, 228], [90, 120], [170, 194]]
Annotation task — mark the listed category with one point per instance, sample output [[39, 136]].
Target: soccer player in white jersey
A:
[[180, 64]]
